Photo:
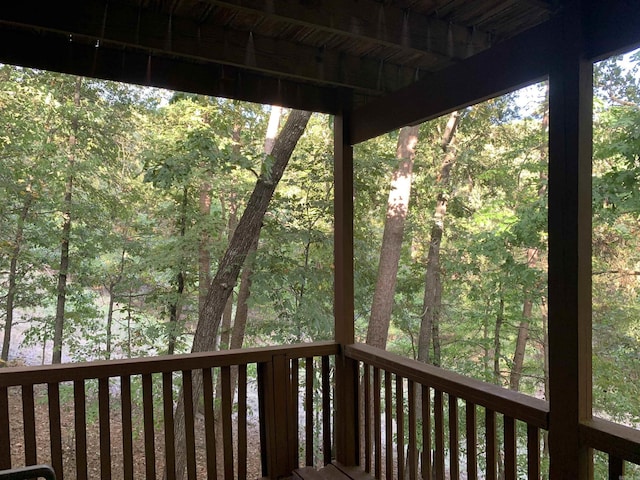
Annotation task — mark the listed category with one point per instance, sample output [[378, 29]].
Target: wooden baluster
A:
[[149, 434], [105, 428], [242, 422], [388, 409], [209, 423], [616, 468], [169, 427], [510, 459], [127, 427], [533, 453], [413, 437], [426, 433], [492, 444], [366, 380], [189, 435], [438, 415], [308, 410], [326, 411], [55, 428], [400, 424], [293, 413], [29, 426], [454, 446], [80, 419], [5, 436], [472, 442], [227, 427], [377, 422]]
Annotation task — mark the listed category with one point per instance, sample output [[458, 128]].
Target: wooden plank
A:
[[533, 453], [454, 442], [17, 376], [169, 427], [5, 436], [127, 427], [400, 426], [517, 405], [491, 444], [412, 448], [377, 423], [293, 413], [80, 422], [612, 27], [149, 433], [227, 426], [55, 429], [308, 409], [618, 440], [470, 81], [29, 425], [472, 441], [616, 468], [242, 421], [326, 411], [388, 426], [426, 432], [189, 424], [209, 422], [438, 417], [510, 449], [105, 428], [352, 472], [570, 231], [264, 412], [367, 420]]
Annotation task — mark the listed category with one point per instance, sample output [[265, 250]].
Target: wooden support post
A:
[[346, 377], [570, 147]]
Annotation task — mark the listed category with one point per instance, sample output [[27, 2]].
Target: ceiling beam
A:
[[513, 63], [50, 51], [164, 34], [612, 27]]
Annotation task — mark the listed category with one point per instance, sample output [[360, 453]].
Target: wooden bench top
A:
[[333, 471]]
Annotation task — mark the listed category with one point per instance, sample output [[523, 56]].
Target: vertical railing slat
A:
[[55, 428], [189, 416], [127, 427], [510, 458], [79, 408], [426, 432], [472, 442], [293, 413], [5, 435], [149, 433], [308, 410], [413, 437], [169, 428], [533, 453], [616, 468], [400, 424], [454, 447], [366, 382], [105, 428], [377, 422], [242, 422], [438, 416], [388, 426], [29, 425], [326, 411], [227, 427], [491, 444], [209, 423]]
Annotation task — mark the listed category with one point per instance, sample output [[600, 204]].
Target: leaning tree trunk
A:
[[231, 263], [397, 208], [61, 288], [430, 318]]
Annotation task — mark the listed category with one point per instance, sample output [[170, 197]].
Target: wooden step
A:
[[333, 471]]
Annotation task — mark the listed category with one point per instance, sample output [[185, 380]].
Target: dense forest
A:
[[120, 202]]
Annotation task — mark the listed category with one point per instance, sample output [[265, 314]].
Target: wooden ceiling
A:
[[319, 54]]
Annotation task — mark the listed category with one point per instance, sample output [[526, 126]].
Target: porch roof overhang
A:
[[389, 62]]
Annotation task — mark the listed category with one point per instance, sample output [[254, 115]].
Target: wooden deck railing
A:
[[132, 402]]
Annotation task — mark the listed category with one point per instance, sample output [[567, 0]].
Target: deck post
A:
[[570, 148], [346, 375]]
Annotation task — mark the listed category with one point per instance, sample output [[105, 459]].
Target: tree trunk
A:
[[430, 318], [66, 232], [397, 208], [111, 289], [204, 255], [174, 306], [13, 273], [222, 285], [496, 341]]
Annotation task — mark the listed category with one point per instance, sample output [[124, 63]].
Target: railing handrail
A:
[[533, 411], [618, 440], [15, 376]]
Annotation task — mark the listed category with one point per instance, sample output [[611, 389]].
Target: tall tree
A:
[[397, 208]]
